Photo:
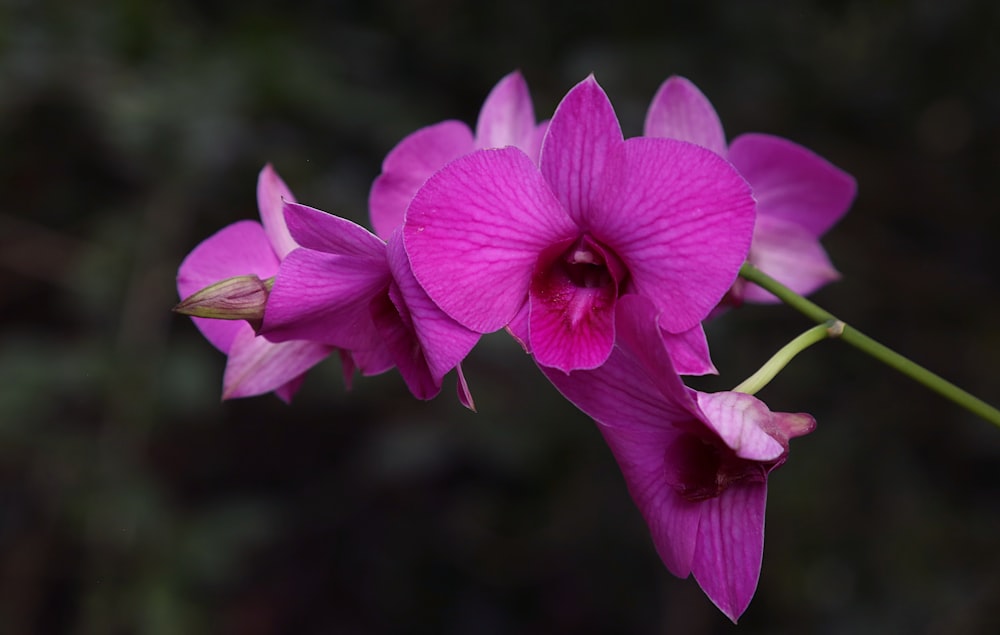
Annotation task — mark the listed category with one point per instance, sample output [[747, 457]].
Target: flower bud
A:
[[236, 298]]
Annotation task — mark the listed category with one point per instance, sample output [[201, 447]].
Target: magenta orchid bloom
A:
[[506, 119], [799, 194], [346, 287], [495, 239], [696, 464], [255, 366]]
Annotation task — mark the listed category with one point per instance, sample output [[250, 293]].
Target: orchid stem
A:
[[866, 344], [752, 384]]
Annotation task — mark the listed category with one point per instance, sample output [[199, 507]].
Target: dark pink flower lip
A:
[[700, 466]]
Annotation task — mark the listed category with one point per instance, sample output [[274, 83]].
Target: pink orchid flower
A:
[[255, 365], [799, 194], [506, 119], [495, 239], [348, 288], [696, 464]]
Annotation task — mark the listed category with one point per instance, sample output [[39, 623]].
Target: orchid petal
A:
[[533, 147], [408, 165], [239, 249], [582, 150], [741, 421], [793, 183], [462, 388], [320, 231], [791, 255], [272, 194], [375, 360], [398, 338], [444, 343], [681, 220], [507, 117], [680, 111], [730, 546], [325, 298], [257, 366], [474, 231], [689, 351], [673, 522], [637, 423]]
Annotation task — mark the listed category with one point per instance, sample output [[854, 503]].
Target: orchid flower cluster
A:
[[602, 256]]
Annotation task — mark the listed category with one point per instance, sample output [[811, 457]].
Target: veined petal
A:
[[790, 254], [402, 345], [637, 385], [730, 547], [257, 366], [408, 165], [680, 111], [681, 220], [239, 249], [444, 343], [325, 298], [741, 420], [474, 231], [689, 351], [272, 194], [673, 522], [317, 230], [508, 116], [793, 183], [582, 150]]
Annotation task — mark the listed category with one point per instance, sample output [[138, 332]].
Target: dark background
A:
[[133, 501]]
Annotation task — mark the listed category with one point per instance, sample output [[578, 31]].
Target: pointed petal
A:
[[315, 229], [689, 352], [257, 366], [741, 420], [462, 387], [791, 255], [325, 298], [793, 183], [443, 341], [374, 361], [788, 425], [403, 346], [730, 547], [508, 116], [347, 367], [639, 335], [533, 148], [673, 522], [239, 249], [639, 421], [474, 232], [272, 194], [681, 220], [582, 149], [408, 165], [680, 111], [286, 391], [518, 327]]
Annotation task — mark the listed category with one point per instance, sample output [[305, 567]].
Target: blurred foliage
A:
[[132, 501]]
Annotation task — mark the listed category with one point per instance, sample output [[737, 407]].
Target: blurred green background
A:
[[133, 501]]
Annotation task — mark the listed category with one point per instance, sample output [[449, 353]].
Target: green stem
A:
[[879, 351], [752, 384]]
